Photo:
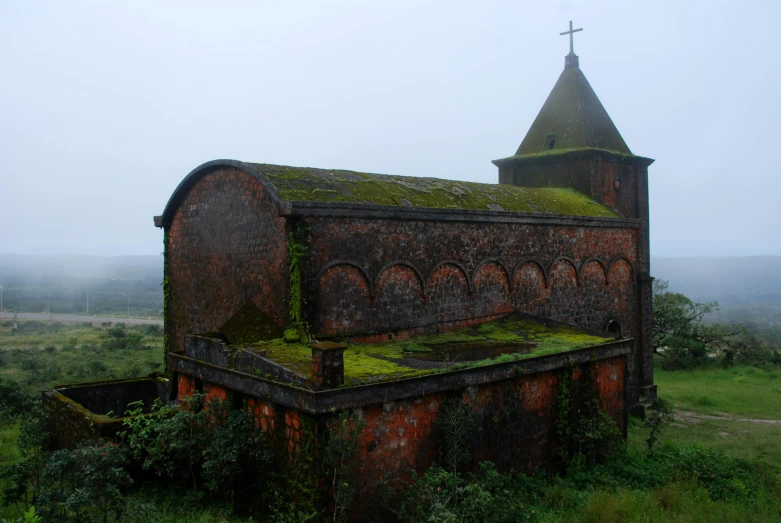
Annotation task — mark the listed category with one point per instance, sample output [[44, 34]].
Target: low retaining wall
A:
[[515, 407], [86, 411]]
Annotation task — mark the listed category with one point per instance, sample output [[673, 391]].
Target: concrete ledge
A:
[[387, 212], [79, 412], [322, 402]]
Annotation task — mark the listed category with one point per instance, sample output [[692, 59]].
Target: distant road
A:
[[78, 319]]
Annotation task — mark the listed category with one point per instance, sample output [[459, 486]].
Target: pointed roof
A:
[[576, 117]]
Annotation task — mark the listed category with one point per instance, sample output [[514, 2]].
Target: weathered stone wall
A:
[[78, 413], [371, 278], [615, 184], [571, 172], [114, 396], [383, 276], [610, 181], [515, 424], [226, 247]]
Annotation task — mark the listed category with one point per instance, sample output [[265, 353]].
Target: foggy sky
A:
[[106, 106]]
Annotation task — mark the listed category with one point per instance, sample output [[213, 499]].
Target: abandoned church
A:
[[297, 293]]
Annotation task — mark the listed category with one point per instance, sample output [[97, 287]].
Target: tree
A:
[[341, 460], [681, 337]]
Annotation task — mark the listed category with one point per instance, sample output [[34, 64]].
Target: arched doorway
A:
[[614, 328]]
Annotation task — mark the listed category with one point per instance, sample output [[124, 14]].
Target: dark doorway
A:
[[614, 328]]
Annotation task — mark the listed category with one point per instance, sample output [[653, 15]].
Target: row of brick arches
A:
[[587, 294]]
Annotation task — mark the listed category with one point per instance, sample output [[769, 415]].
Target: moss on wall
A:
[[166, 297], [249, 325], [572, 151], [319, 185], [394, 359], [297, 250]]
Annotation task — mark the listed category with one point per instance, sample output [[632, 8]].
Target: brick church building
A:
[[297, 292]]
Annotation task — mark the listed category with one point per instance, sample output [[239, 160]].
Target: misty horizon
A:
[[111, 105]]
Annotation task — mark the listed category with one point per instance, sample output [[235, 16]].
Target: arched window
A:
[[614, 328]]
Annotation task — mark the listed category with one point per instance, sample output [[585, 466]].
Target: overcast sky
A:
[[106, 106]]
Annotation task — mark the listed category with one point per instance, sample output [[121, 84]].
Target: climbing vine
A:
[[563, 407], [297, 250], [584, 431], [166, 295], [341, 460]]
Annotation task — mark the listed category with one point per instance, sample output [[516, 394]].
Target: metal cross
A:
[[570, 32]]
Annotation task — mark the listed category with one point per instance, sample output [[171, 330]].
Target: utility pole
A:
[[128, 306], [88, 304], [1, 298], [48, 302]]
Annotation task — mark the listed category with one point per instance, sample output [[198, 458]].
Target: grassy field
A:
[[733, 411], [39, 355]]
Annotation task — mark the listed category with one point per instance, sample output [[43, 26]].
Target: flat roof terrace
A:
[[291, 374], [513, 338]]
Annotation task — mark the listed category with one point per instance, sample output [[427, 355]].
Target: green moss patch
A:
[[396, 359], [337, 186], [249, 325], [564, 152]]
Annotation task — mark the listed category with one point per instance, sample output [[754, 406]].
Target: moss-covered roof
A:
[[322, 185], [576, 117], [515, 337]]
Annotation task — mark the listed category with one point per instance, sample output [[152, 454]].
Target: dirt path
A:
[[73, 318], [692, 418]]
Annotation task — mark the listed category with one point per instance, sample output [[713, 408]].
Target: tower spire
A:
[[571, 60]]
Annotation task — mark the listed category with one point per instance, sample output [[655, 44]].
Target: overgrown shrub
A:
[[440, 495], [85, 484], [456, 421], [588, 493], [660, 413], [211, 446], [585, 433], [119, 338], [22, 481], [14, 401], [341, 460], [28, 516]]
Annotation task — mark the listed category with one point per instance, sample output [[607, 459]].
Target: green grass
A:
[[40, 334], [9, 454], [743, 391], [678, 501], [41, 355], [729, 395]]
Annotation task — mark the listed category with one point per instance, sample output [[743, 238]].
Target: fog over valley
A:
[[107, 106]]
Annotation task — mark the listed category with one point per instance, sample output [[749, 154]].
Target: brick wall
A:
[[515, 426], [226, 247], [382, 276]]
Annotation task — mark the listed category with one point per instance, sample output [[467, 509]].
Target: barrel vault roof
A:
[[309, 184]]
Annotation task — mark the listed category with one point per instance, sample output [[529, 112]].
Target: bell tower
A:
[[573, 143]]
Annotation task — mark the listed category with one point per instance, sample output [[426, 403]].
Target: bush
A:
[[22, 481], [212, 447], [85, 484], [660, 414], [440, 495], [341, 460], [14, 401], [152, 330], [642, 483]]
